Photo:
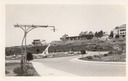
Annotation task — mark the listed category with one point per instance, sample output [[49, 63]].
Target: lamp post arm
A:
[[19, 26], [22, 28], [30, 30]]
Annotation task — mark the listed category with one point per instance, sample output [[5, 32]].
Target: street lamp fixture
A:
[[26, 29]]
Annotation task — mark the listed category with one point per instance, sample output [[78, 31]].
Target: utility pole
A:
[[26, 29]]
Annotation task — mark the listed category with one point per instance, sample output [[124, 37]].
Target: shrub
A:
[[83, 52], [110, 52], [115, 52], [105, 54], [26, 70], [119, 52], [29, 56], [96, 55], [89, 57]]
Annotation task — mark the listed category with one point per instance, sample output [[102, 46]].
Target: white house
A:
[[121, 31]]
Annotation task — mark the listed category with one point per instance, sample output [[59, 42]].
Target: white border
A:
[[2, 39]]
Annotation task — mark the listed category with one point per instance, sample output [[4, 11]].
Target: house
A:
[[37, 42], [71, 38], [120, 30], [81, 36], [105, 37]]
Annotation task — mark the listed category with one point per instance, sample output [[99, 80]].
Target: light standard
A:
[[27, 29]]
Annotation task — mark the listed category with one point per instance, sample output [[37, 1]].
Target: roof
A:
[[72, 36], [36, 40], [123, 25]]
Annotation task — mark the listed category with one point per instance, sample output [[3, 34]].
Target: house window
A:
[[123, 30]]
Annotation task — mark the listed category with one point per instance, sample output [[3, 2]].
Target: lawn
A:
[[106, 58]]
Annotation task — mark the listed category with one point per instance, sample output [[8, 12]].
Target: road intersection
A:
[[71, 66]]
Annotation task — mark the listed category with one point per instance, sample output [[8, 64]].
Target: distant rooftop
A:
[[121, 26]]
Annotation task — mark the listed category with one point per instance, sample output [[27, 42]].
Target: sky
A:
[[68, 19]]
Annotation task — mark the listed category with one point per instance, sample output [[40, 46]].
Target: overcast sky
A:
[[68, 19]]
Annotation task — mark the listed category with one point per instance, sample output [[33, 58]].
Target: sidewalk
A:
[[46, 71]]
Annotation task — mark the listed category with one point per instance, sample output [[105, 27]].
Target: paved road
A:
[[84, 68]]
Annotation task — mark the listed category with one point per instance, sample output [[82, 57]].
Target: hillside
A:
[[76, 45], [92, 45]]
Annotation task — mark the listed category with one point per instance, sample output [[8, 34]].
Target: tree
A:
[[117, 36], [83, 52], [89, 36], [64, 36], [83, 33], [96, 34], [37, 51], [100, 33], [90, 33], [111, 34]]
